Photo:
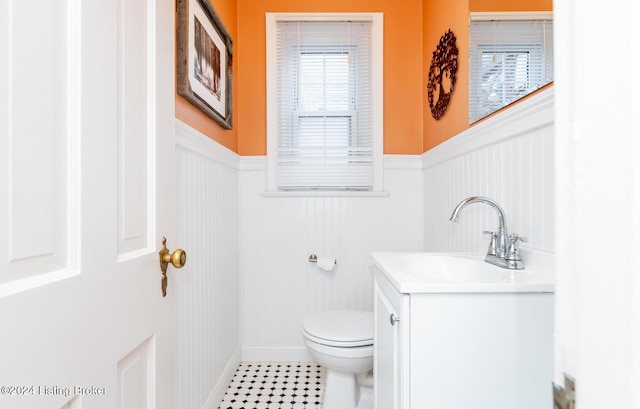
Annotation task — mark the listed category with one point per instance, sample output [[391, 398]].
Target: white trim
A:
[[510, 15], [390, 161], [223, 382], [272, 97], [194, 141], [377, 97], [322, 193], [322, 16], [402, 162], [250, 163], [255, 353], [531, 114]]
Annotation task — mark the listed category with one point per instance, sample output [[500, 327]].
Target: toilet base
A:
[[347, 391]]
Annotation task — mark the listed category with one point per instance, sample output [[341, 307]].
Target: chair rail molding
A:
[[525, 117]]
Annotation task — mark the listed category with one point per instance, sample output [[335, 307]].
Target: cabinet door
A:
[[387, 353]]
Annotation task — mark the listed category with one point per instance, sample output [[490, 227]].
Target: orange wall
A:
[[437, 19], [412, 29], [192, 116], [403, 92]]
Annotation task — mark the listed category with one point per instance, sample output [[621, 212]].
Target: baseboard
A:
[[223, 383], [281, 353]]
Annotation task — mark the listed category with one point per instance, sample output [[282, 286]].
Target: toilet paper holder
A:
[[313, 259]]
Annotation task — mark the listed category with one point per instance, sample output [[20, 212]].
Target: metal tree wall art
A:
[[442, 74]]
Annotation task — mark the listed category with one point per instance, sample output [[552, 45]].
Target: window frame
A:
[[478, 48], [376, 94]]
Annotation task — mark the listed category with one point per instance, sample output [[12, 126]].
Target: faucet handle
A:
[[514, 237], [512, 250], [493, 244]]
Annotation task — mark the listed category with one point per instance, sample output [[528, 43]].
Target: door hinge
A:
[[565, 397]]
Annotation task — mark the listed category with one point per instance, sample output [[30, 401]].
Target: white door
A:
[[86, 194]]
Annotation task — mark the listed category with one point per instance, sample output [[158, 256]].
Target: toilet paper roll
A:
[[326, 264]]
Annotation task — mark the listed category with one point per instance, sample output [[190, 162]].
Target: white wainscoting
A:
[[248, 284], [280, 287], [208, 292], [508, 158]]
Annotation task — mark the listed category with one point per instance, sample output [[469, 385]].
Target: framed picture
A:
[[204, 60]]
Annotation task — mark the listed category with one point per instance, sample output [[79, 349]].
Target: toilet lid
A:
[[352, 327]]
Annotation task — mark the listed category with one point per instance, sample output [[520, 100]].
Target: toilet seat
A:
[[340, 328]]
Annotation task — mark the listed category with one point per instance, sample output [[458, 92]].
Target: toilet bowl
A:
[[342, 342]]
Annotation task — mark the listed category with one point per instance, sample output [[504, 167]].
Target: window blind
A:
[[508, 59], [324, 107]]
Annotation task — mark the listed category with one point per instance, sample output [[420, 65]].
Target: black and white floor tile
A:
[[276, 385]]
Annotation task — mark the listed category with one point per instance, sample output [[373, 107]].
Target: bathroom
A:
[[268, 269], [257, 246], [562, 164]]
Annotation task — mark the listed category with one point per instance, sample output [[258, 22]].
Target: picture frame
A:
[[204, 60]]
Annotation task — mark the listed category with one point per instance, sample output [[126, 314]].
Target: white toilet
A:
[[342, 342]]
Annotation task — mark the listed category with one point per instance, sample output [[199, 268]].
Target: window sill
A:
[[324, 194]]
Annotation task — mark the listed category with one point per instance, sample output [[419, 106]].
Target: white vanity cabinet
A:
[[459, 348]]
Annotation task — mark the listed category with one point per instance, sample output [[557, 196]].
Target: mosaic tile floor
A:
[[276, 385]]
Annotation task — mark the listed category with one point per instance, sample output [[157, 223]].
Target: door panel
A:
[[37, 200], [136, 153], [86, 174], [136, 377]]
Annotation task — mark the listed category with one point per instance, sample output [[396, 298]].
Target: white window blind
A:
[[508, 59], [324, 105]]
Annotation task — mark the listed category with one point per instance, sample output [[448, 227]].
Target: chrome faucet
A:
[[502, 251]]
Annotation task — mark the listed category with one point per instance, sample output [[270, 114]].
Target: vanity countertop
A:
[[464, 273]]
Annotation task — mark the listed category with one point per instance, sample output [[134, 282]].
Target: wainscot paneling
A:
[[208, 285], [508, 158], [249, 285], [280, 287]]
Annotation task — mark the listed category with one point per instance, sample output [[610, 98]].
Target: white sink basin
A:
[[462, 272]]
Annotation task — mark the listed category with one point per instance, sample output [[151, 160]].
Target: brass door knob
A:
[[177, 259]]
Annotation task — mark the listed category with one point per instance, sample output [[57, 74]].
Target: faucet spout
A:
[[502, 223], [502, 249]]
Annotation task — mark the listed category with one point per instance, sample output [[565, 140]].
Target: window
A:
[[508, 59], [324, 102]]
